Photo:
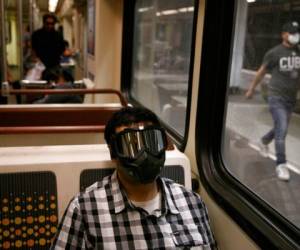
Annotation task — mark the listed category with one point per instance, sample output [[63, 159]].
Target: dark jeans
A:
[[281, 111]]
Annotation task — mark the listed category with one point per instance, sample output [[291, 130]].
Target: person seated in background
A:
[[67, 54], [59, 78], [135, 208], [66, 59]]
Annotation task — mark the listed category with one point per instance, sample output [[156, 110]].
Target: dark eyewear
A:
[[130, 142]]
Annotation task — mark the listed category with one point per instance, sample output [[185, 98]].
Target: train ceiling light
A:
[[52, 5]]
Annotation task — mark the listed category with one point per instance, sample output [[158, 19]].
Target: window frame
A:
[[261, 222], [127, 68]]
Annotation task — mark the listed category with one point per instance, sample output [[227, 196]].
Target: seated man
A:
[[59, 78], [135, 208]]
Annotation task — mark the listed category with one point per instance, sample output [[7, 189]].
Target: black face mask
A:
[[141, 152], [145, 168]]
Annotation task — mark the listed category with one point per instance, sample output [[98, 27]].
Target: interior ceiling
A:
[[12, 4], [42, 4]]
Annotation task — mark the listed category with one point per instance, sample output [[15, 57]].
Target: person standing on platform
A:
[[283, 63]]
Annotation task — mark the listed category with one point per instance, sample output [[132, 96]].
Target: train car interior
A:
[[191, 62]]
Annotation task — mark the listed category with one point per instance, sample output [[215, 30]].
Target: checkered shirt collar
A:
[[122, 202]]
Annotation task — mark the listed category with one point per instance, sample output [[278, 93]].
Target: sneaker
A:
[[282, 172], [263, 149]]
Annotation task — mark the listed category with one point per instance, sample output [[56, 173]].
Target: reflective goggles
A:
[[132, 141]]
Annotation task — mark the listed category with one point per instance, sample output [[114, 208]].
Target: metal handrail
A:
[[68, 91]]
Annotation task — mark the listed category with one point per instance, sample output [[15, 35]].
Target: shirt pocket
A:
[[187, 237]]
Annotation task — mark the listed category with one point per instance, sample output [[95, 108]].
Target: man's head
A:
[[290, 33], [137, 140], [57, 75], [49, 21]]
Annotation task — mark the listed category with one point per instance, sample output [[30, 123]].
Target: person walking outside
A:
[[283, 63]]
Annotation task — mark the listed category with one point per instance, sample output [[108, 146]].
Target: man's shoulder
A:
[[85, 197], [179, 189], [275, 49], [172, 184], [99, 184], [97, 187], [38, 31]]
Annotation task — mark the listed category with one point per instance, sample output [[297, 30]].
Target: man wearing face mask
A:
[[283, 63], [135, 208]]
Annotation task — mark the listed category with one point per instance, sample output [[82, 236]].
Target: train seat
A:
[[28, 216], [74, 164], [58, 124], [90, 176], [54, 124]]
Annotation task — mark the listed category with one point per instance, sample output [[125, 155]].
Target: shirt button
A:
[[176, 233]]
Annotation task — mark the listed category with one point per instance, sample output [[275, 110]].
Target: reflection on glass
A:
[[262, 127], [161, 58]]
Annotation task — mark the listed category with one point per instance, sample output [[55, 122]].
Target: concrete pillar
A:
[[240, 30]]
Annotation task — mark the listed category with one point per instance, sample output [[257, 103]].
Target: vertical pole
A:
[[3, 43], [30, 9], [239, 44], [20, 35]]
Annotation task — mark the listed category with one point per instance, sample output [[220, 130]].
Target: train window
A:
[[261, 139], [162, 45]]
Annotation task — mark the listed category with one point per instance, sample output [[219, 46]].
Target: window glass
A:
[[161, 58], [262, 134]]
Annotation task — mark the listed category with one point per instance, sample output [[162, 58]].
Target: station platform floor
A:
[[246, 122], [251, 119]]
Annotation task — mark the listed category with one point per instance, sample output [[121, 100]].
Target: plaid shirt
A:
[[103, 217]]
